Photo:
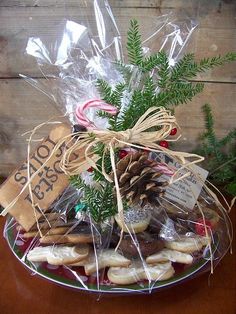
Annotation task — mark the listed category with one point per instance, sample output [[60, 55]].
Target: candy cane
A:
[[95, 103], [164, 169]]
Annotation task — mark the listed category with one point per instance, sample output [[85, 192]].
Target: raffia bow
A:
[[140, 136]]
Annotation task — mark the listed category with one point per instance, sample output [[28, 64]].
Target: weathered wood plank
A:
[[217, 14], [211, 13], [212, 42], [17, 24], [113, 3], [221, 97], [22, 108]]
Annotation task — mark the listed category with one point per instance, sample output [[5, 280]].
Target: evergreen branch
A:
[[134, 44], [228, 138], [97, 174], [153, 61], [166, 86], [149, 92], [209, 124], [209, 135], [99, 202], [209, 63], [183, 68], [113, 97], [141, 101], [221, 165], [125, 70], [110, 96], [76, 181], [187, 68], [231, 160], [177, 94], [181, 93], [163, 71], [104, 89], [231, 188]]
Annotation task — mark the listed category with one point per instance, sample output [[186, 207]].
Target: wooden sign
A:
[[47, 184]]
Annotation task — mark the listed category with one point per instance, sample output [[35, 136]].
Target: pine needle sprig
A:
[[111, 96], [105, 159], [104, 89], [209, 135], [163, 71], [209, 63], [188, 68], [154, 61], [228, 139], [76, 181], [134, 44], [142, 100], [181, 93], [126, 70], [100, 202], [183, 68], [220, 160]]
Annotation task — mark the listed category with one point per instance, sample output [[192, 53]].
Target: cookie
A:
[[58, 255], [147, 244], [170, 255], [135, 220], [106, 258], [82, 262], [53, 231], [136, 272], [73, 238], [188, 245]]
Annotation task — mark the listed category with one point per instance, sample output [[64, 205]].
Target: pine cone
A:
[[138, 180]]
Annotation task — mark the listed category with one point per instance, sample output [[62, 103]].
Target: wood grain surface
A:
[[22, 107], [23, 292]]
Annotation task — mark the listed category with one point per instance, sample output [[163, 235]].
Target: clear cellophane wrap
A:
[[158, 243]]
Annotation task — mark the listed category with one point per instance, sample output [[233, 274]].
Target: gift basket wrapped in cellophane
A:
[[105, 203]]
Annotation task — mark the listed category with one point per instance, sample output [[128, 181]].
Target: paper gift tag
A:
[[186, 191], [47, 185]]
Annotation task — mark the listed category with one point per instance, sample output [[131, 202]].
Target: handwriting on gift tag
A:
[[186, 191], [46, 185]]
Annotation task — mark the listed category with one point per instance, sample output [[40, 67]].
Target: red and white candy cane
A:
[[94, 103], [164, 169]]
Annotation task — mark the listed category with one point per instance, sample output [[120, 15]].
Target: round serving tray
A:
[[76, 278]]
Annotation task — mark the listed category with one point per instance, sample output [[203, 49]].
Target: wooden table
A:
[[22, 292]]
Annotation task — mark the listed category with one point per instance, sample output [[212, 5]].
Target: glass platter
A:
[[76, 278]]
